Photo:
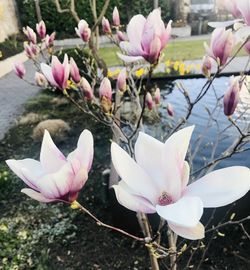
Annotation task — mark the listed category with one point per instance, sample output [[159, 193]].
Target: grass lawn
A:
[[176, 50]]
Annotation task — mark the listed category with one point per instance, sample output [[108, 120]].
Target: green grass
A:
[[176, 50]]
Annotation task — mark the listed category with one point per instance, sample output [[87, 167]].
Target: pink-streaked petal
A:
[[165, 37], [134, 176], [29, 170], [66, 67], [57, 71], [185, 175], [131, 49], [56, 185], [221, 187], [51, 157], [47, 72], [135, 29], [79, 180], [133, 202], [36, 195], [191, 233], [244, 8], [186, 212], [130, 59]]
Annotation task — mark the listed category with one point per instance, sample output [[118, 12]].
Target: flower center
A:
[[164, 199]]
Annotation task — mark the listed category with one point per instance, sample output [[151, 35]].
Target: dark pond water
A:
[[200, 119]]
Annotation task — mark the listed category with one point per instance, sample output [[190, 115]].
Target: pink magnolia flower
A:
[[74, 71], [206, 66], [116, 17], [57, 74], [106, 26], [30, 34], [49, 40], [56, 177], [105, 89], [83, 30], [158, 182], [87, 89], [157, 96], [147, 38], [222, 43], [121, 83], [40, 79], [41, 29], [19, 69], [232, 96], [149, 101]]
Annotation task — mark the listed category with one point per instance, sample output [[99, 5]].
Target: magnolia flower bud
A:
[[19, 69], [116, 17], [206, 66], [30, 34], [49, 40], [121, 80], [86, 88], [157, 96], [74, 71], [105, 89], [41, 29], [149, 101], [106, 26], [83, 30], [231, 97], [170, 110], [40, 79]]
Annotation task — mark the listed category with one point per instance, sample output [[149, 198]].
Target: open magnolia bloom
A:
[[55, 177], [147, 38], [157, 182]]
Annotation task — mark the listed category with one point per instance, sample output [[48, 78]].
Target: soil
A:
[[54, 236]]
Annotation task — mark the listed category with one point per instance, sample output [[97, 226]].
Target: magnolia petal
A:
[[133, 202], [221, 187], [135, 29], [51, 157], [134, 176], [79, 180], [47, 72], [29, 170], [36, 195], [185, 175], [129, 59], [191, 233], [244, 8], [186, 212], [131, 49], [242, 34], [222, 24]]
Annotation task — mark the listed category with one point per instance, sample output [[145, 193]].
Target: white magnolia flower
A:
[[157, 182]]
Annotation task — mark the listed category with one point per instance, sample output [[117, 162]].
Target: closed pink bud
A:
[[30, 34], [116, 17], [231, 97], [105, 89], [41, 29], [206, 66], [19, 69], [106, 26], [74, 71], [121, 80], [31, 50], [222, 44], [157, 96], [49, 40], [83, 30], [149, 101], [86, 88], [40, 79], [170, 110]]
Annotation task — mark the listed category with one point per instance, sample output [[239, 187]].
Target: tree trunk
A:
[[38, 10]]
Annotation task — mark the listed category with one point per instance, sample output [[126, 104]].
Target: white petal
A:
[[221, 187], [135, 29], [185, 175], [129, 59], [47, 72], [134, 176], [29, 170], [133, 202], [186, 212], [35, 195], [51, 157], [242, 34], [222, 24], [191, 233]]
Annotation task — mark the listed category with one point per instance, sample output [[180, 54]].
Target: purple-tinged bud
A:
[[30, 34], [105, 89], [154, 51], [74, 71], [86, 89], [19, 69], [157, 96], [41, 29], [83, 31], [40, 79], [106, 26], [231, 97], [121, 80], [170, 110], [121, 36], [31, 50], [206, 66], [49, 40], [149, 101], [116, 17]]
